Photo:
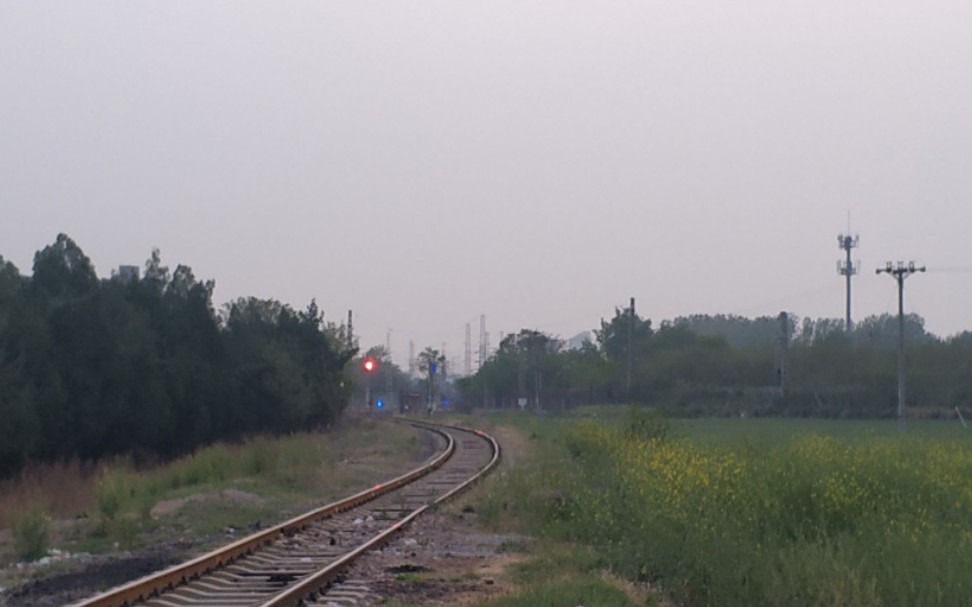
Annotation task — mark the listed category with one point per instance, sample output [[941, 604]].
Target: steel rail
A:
[[155, 585], [315, 584], [152, 584]]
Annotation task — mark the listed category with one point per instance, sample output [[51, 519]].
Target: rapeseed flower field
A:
[[816, 520]]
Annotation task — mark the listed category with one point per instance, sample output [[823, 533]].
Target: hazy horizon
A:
[[537, 162]]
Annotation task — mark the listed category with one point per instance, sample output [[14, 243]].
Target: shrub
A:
[[31, 534], [111, 492]]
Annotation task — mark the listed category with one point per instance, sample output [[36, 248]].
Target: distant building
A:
[[127, 274]]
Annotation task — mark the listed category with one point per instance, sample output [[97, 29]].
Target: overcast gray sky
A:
[[423, 163]]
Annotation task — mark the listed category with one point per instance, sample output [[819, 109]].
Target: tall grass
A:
[[811, 520], [59, 489], [112, 503]]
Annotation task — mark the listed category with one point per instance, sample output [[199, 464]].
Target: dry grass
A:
[[62, 490]]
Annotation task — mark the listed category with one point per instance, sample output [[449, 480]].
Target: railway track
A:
[[295, 562]]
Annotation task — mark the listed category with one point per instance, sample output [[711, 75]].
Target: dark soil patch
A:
[[88, 580], [406, 569]]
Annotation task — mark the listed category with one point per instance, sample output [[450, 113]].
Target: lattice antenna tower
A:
[[848, 268]]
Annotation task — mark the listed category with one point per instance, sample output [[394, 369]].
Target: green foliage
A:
[[733, 366], [626, 331], [559, 574], [797, 520], [646, 426], [258, 456], [144, 366], [114, 488], [209, 466], [31, 535], [566, 591]]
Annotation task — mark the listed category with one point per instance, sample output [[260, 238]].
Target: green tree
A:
[[623, 332], [432, 363]]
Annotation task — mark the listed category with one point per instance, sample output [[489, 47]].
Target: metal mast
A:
[[900, 272], [848, 268]]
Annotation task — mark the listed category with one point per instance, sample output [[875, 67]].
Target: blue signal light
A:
[[379, 403]]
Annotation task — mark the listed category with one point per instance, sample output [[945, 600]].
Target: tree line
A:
[[143, 364], [730, 365]]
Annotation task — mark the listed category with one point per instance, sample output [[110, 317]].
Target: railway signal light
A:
[[379, 403], [369, 364]]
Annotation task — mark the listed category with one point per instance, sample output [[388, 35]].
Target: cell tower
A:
[[848, 268]]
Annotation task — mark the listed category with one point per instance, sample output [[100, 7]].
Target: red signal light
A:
[[369, 364]]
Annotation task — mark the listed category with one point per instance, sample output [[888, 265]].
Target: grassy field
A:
[[749, 511], [78, 509]]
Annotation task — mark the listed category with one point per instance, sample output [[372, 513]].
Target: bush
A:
[[31, 534], [111, 491]]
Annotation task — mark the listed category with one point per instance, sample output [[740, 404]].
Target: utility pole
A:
[[350, 332], [483, 347], [521, 373], [848, 268], [445, 359], [631, 331], [389, 381], [900, 271], [784, 346], [467, 355]]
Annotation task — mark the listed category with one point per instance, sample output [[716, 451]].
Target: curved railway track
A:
[[296, 561]]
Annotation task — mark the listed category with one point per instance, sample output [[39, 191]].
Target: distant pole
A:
[[389, 380], [631, 329], [411, 359], [521, 370], [350, 332], [900, 271], [847, 268], [467, 355], [483, 348], [784, 346]]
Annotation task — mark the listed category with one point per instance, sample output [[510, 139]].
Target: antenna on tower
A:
[[848, 268]]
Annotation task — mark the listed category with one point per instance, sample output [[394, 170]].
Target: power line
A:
[[900, 271]]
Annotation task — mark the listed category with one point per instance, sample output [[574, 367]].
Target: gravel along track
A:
[[297, 561]]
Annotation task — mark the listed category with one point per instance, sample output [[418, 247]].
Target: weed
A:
[[31, 533], [513, 546], [110, 494]]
